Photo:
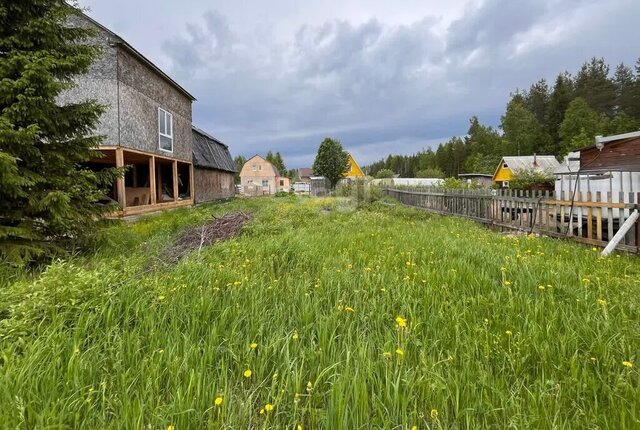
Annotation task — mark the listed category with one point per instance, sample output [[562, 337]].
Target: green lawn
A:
[[495, 331]]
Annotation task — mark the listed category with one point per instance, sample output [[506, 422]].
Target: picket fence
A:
[[591, 218]]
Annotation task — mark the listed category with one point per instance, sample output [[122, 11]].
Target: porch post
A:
[[120, 189], [152, 179], [175, 180], [192, 182]]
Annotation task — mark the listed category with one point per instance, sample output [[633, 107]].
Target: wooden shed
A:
[[214, 168], [613, 153]]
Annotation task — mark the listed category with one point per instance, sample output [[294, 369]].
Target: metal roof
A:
[[210, 153], [543, 162], [119, 41]]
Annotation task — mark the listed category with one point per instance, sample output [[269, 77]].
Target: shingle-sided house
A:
[[259, 176], [147, 124], [214, 168]]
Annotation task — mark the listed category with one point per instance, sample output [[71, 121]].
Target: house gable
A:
[[353, 171]]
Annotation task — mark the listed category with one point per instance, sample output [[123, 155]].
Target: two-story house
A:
[[147, 127], [259, 176]]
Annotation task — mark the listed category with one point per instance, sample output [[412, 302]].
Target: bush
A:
[[527, 179]]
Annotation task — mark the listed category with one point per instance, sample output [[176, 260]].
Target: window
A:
[[254, 167], [282, 182], [504, 165], [265, 182], [505, 184], [165, 128]]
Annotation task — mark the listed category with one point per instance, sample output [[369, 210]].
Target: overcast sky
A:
[[384, 77]]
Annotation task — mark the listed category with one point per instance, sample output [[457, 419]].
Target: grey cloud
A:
[[385, 88]]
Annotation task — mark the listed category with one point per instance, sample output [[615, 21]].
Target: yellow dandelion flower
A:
[[161, 298], [268, 407], [253, 345], [434, 414], [594, 249], [507, 283], [399, 352], [627, 364], [295, 336], [508, 332], [349, 309], [386, 354], [602, 302], [299, 427], [400, 321], [414, 428], [171, 428], [247, 373], [218, 401], [541, 287], [261, 411]]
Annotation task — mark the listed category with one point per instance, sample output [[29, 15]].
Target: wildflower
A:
[[386, 354], [161, 298], [602, 302], [400, 352], [593, 359], [171, 428], [295, 335], [507, 283], [594, 249], [627, 364], [434, 414], [349, 309], [414, 428], [368, 269], [253, 345], [406, 278], [508, 332], [309, 387], [383, 289], [247, 373], [299, 427], [401, 322], [261, 411], [268, 407], [218, 400], [541, 287]]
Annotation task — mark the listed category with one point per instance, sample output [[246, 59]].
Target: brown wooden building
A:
[[612, 153], [214, 168]]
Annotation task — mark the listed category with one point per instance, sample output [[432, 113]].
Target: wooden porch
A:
[[152, 182]]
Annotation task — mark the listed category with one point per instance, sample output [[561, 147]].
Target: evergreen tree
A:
[[561, 96], [331, 161], [278, 162], [625, 86], [240, 162], [537, 100], [46, 196], [594, 86]]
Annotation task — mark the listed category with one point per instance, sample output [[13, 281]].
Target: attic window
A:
[[505, 166], [165, 128]]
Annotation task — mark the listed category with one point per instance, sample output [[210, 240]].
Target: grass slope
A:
[[499, 332]]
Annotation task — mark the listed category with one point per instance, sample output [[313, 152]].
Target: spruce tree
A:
[[46, 195]]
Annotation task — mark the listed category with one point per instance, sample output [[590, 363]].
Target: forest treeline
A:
[[544, 119]]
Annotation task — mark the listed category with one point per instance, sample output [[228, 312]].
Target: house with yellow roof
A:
[[353, 170]]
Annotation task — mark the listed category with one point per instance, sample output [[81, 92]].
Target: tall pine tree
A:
[[46, 196]]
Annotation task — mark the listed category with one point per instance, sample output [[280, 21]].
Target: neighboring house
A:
[[304, 174], [259, 176], [147, 125], [214, 168], [610, 168], [481, 179], [509, 165], [353, 170]]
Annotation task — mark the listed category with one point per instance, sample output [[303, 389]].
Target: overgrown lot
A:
[[323, 317]]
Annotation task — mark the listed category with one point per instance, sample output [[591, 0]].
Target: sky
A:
[[383, 77]]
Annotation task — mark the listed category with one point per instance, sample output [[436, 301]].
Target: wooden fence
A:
[[590, 218]]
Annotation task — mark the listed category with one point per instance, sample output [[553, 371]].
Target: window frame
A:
[[167, 116]]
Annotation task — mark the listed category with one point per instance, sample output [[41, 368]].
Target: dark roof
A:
[[305, 172], [119, 41], [465, 175], [210, 153]]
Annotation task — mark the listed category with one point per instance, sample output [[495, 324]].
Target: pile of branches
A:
[[196, 238]]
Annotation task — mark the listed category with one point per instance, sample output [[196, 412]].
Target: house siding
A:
[[213, 185], [623, 155]]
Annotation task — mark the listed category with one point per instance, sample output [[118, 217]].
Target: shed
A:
[[612, 153], [214, 168], [509, 165], [482, 179]]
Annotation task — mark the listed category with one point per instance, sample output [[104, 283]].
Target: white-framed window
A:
[[165, 130], [505, 184], [254, 167], [265, 182]]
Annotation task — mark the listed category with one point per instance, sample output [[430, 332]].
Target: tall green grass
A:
[[501, 331]]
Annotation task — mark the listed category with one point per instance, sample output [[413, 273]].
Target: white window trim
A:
[[169, 116]]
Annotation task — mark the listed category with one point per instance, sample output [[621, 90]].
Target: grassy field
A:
[[322, 317]]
